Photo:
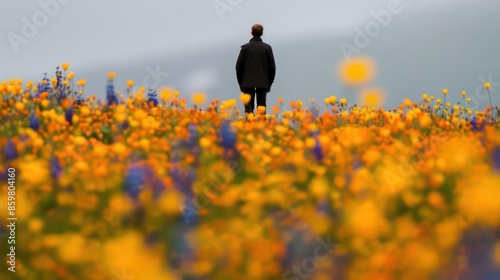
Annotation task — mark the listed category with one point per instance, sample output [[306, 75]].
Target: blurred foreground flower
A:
[[198, 98], [245, 98], [372, 97], [356, 71]]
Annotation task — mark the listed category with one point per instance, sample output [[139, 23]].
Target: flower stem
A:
[[491, 104]]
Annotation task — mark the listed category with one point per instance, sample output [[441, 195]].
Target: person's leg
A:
[[250, 106], [261, 97]]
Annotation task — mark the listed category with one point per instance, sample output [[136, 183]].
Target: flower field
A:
[[142, 186]]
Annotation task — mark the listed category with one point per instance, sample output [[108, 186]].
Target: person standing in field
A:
[[256, 69]]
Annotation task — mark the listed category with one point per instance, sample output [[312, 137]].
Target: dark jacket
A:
[[255, 66]]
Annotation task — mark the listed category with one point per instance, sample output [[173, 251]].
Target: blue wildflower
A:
[[134, 181], [124, 125], [60, 86], [34, 123], [43, 87], [111, 97], [476, 126], [79, 100], [228, 141], [158, 187], [147, 177], [152, 96], [191, 144], [193, 136], [3, 173], [298, 247], [495, 156], [182, 179], [313, 133], [60, 98], [473, 122], [228, 137], [139, 176], [10, 151], [318, 151], [55, 168], [190, 213], [69, 115]]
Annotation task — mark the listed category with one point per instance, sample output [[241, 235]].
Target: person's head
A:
[[257, 30]]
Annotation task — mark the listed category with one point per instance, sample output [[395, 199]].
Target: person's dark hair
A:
[[257, 30]]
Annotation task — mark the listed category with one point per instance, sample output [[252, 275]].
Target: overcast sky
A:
[[96, 32], [102, 35], [92, 32]]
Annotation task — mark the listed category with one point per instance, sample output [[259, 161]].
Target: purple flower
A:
[[313, 133], [476, 126], [183, 179], [10, 151], [69, 115], [3, 173], [228, 137], [140, 176], [55, 168], [158, 187], [318, 151], [34, 123], [60, 86], [473, 122], [43, 87], [193, 135], [298, 248], [135, 180], [111, 97], [79, 100], [124, 125], [495, 156], [228, 141], [152, 96]]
